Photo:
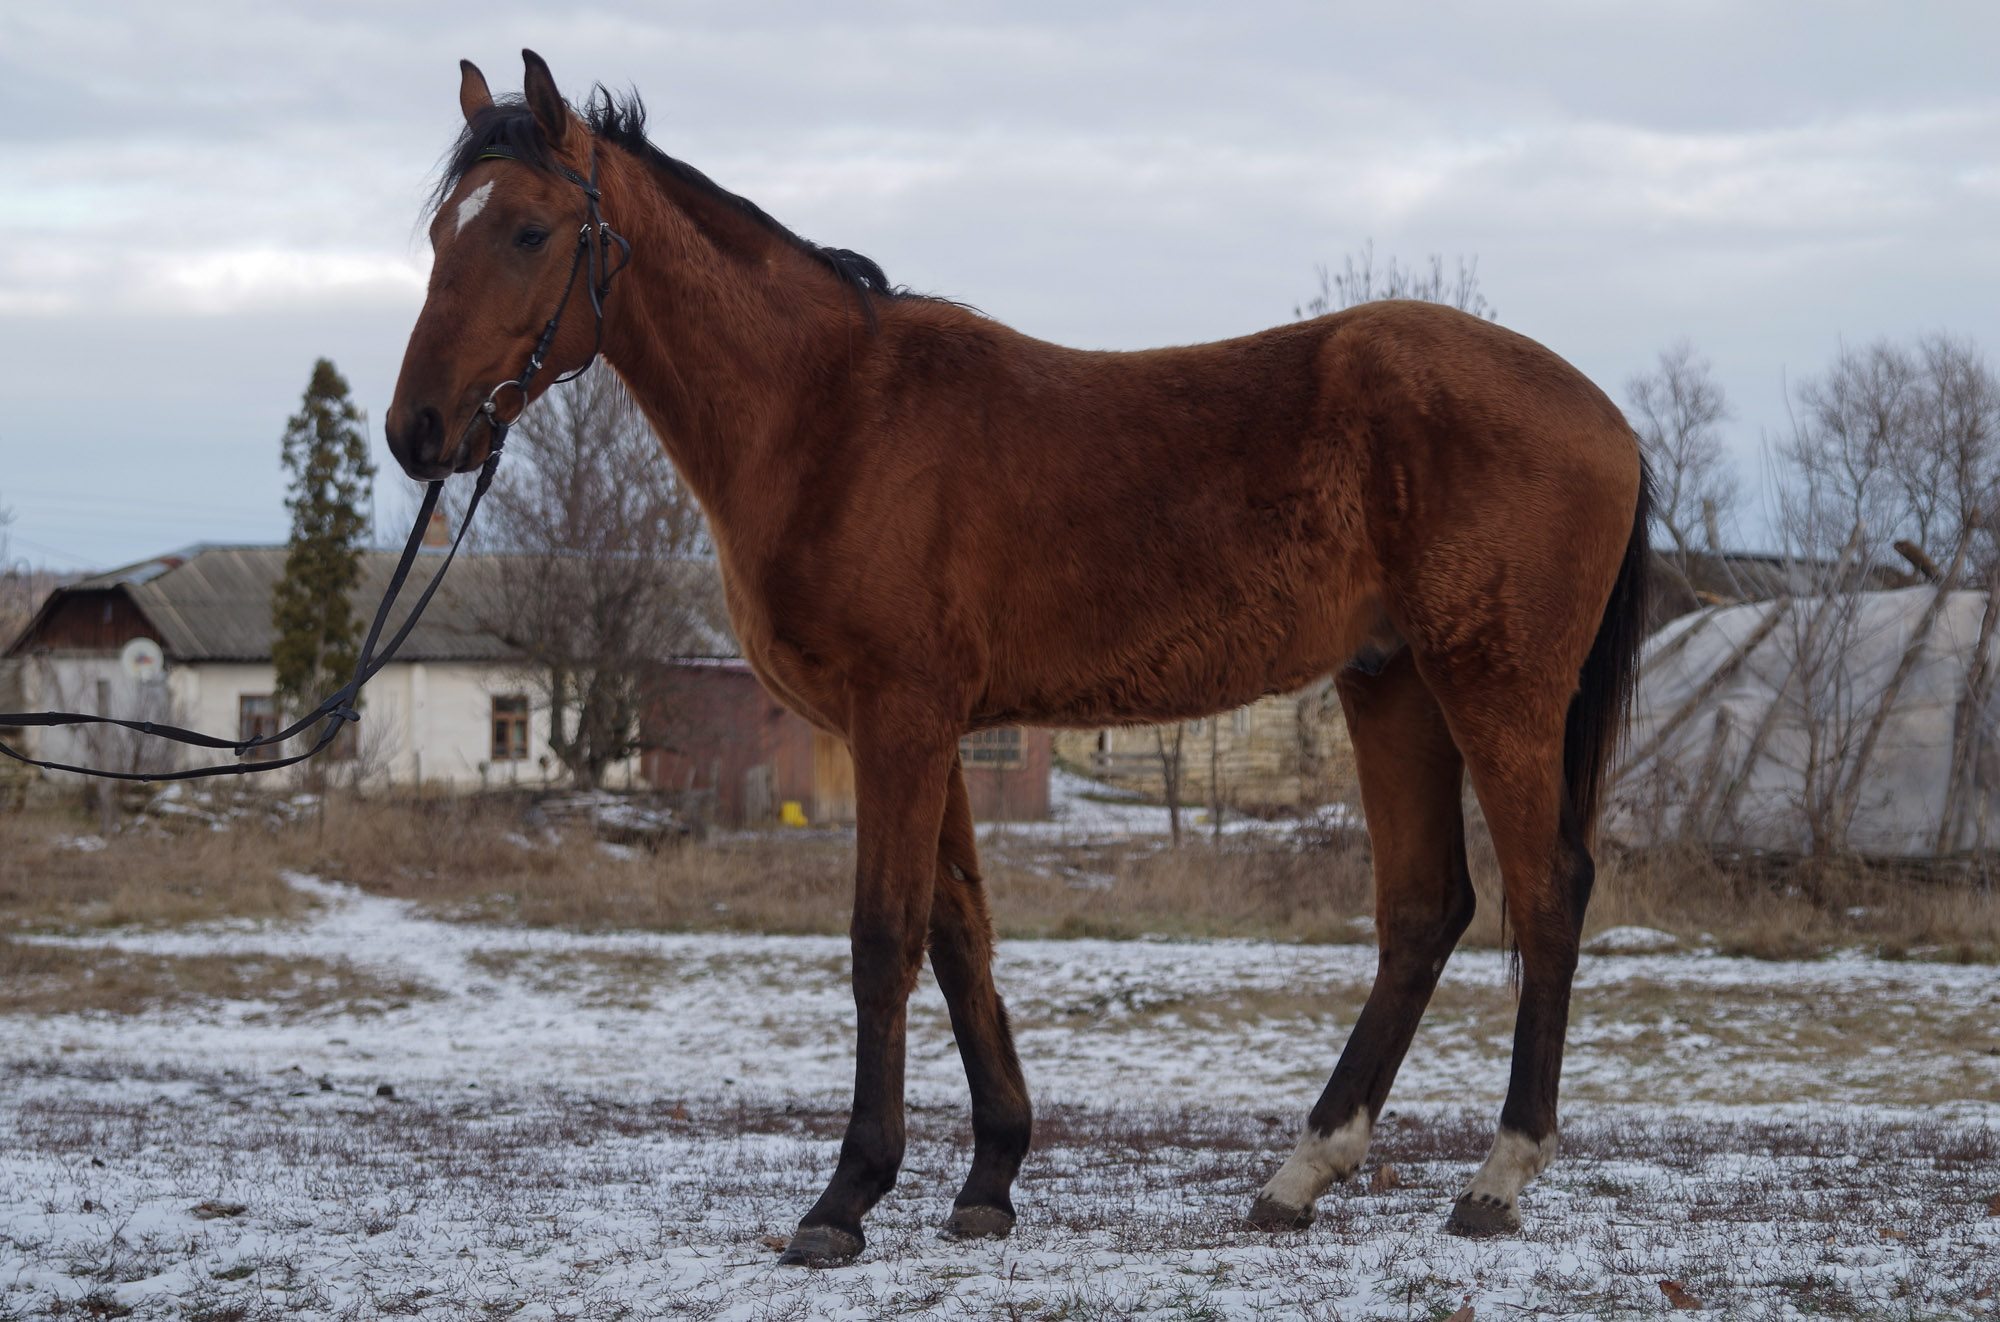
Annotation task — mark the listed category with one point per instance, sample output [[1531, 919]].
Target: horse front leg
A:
[[901, 765], [962, 959]]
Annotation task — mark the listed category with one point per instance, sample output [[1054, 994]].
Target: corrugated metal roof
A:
[[213, 603]]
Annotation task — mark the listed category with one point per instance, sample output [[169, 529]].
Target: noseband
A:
[[594, 243], [594, 254]]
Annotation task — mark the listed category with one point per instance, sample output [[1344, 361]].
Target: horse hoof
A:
[[1273, 1217], [1482, 1216], [820, 1246], [977, 1223]]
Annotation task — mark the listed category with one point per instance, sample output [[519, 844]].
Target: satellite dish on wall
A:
[[143, 660]]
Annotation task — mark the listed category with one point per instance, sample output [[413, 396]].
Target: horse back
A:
[[1071, 537]]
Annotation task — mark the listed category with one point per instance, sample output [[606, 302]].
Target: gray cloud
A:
[[202, 198]]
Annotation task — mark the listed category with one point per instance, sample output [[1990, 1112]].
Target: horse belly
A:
[[1076, 668]]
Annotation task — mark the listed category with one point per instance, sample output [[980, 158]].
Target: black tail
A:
[[1604, 692]]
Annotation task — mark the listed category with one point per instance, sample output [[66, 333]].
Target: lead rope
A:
[[338, 708]]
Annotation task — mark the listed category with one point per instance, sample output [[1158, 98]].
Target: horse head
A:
[[521, 261]]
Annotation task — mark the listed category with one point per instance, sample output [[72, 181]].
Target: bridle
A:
[[597, 256], [594, 243]]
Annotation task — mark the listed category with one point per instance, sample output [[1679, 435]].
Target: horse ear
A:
[[550, 110], [472, 94]]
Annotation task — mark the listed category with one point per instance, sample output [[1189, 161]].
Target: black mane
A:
[[508, 126]]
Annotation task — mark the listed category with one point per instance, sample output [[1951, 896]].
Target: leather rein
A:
[[595, 242]]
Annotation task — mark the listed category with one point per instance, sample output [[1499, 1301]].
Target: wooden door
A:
[[833, 780]]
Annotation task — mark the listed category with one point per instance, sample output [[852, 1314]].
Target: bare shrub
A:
[[598, 591], [1360, 280], [1677, 409]]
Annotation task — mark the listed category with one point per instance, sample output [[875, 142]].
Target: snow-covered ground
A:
[[605, 1126], [1086, 811]]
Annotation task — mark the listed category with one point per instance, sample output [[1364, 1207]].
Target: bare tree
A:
[[1361, 281], [1893, 444], [1677, 409], [16, 585], [1949, 465], [598, 589], [1172, 769], [102, 686], [1215, 777], [1905, 441], [1848, 426]]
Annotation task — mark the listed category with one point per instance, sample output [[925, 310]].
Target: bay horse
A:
[[930, 524]]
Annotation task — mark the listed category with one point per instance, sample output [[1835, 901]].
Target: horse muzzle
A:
[[427, 451]]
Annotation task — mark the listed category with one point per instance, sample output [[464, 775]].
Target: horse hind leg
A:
[[961, 948], [1411, 781], [1516, 765]]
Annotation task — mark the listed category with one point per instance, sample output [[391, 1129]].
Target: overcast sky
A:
[[200, 198]]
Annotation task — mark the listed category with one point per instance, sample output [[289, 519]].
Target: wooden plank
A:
[[1726, 807], [1681, 639], [1850, 797], [1723, 674], [833, 780], [1693, 824], [1965, 726], [1725, 804]]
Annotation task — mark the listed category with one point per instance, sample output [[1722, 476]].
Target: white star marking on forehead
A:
[[474, 203]]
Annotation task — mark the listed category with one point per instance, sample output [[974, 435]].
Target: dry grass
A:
[[48, 883], [597, 979], [1770, 909], [475, 859], [1244, 887], [52, 979]]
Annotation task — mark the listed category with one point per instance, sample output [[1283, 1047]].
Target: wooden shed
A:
[[1285, 751], [709, 725]]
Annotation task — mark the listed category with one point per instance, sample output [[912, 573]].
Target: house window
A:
[[510, 728], [998, 749], [257, 718]]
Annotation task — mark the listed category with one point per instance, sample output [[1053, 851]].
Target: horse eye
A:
[[532, 238]]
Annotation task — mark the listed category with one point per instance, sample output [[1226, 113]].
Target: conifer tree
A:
[[317, 631]]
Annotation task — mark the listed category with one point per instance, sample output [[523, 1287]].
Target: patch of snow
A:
[[349, 1213], [1086, 811], [1097, 1021], [617, 818], [1631, 941]]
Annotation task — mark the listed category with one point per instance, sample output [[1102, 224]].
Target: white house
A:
[[455, 708]]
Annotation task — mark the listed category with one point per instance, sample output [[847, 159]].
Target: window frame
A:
[[257, 724], [1003, 748], [509, 712]]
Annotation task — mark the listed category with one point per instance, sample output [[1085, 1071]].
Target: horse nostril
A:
[[427, 437]]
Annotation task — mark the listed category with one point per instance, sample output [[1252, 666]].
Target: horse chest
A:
[[792, 675]]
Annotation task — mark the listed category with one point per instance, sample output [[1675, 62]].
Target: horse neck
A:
[[720, 348]]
